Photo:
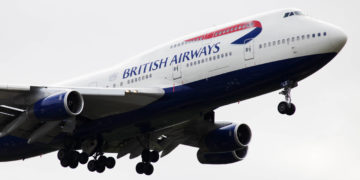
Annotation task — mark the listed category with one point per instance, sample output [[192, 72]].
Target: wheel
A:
[[74, 155], [61, 154], [74, 164], [291, 110], [145, 155], [83, 158], [91, 165], [100, 167], [140, 167], [65, 162], [154, 156], [148, 169], [110, 162], [282, 107]]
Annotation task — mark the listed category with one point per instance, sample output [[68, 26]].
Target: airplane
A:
[[166, 96]]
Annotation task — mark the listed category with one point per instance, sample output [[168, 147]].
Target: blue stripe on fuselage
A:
[[248, 37]]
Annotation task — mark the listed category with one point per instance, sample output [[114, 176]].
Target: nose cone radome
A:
[[339, 39]]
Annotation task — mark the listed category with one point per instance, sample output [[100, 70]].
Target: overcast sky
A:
[[44, 42]]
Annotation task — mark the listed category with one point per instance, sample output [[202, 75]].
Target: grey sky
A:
[[43, 42]]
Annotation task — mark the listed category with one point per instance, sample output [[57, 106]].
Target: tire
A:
[[83, 158], [65, 163], [74, 164], [291, 110], [148, 169], [100, 167], [75, 155], [61, 154], [91, 165], [154, 156], [283, 107], [110, 162], [145, 155], [140, 168]]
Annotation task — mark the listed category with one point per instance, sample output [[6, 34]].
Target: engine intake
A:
[[227, 138], [222, 157], [59, 106]]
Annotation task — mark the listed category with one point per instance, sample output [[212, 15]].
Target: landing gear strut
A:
[[286, 107], [148, 157]]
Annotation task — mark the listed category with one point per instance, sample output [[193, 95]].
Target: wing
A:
[[190, 132], [16, 103]]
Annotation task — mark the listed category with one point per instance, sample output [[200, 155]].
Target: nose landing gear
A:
[[286, 107]]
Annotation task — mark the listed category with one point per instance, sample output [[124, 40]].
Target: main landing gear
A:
[[71, 158], [101, 162], [148, 157], [286, 107]]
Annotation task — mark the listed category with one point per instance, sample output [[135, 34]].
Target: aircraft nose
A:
[[339, 39]]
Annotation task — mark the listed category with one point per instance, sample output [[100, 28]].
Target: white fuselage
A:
[[280, 38]]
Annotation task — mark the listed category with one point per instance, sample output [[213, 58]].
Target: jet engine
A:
[[222, 157], [227, 138], [59, 106]]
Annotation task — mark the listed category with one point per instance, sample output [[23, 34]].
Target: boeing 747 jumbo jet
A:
[[167, 96]]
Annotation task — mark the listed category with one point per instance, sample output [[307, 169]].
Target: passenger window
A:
[[235, 28], [279, 42], [260, 46], [319, 34], [298, 38], [293, 39], [303, 37], [288, 40], [269, 44], [264, 45], [274, 43], [324, 33], [308, 36], [313, 35], [283, 41]]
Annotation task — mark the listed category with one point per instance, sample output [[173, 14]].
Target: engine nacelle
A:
[[222, 157], [227, 138], [59, 106]]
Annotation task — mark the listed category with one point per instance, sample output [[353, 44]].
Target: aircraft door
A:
[[249, 49], [176, 71]]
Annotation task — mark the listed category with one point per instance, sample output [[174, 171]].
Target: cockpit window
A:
[[293, 13]]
